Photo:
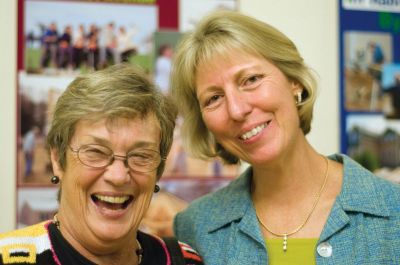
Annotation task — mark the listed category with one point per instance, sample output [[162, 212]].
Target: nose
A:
[[117, 172], [237, 104]]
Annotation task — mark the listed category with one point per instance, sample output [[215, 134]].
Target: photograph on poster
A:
[[374, 142], [391, 90], [164, 46], [64, 37], [36, 205], [365, 53], [37, 96]]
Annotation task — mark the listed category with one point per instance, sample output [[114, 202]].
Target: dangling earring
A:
[[299, 98], [156, 188], [55, 180]]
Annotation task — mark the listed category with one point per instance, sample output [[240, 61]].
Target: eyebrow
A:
[[139, 144], [240, 73], [236, 76]]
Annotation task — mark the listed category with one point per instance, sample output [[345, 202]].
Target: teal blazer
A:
[[363, 226]]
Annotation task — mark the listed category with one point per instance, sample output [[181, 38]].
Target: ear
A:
[[57, 170], [296, 87]]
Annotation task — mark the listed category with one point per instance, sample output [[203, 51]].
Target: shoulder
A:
[[370, 208], [369, 180], [36, 230], [215, 203], [158, 250], [362, 187], [189, 254], [198, 223], [25, 245]]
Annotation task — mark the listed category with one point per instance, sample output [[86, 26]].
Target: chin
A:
[[110, 231]]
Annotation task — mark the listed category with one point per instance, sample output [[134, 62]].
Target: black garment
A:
[[153, 250], [43, 244], [64, 251]]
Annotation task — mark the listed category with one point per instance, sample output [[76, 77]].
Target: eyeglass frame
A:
[[112, 157]]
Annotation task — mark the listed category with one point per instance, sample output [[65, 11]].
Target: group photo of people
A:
[[79, 40], [94, 48]]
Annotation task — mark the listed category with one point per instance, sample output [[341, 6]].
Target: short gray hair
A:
[[119, 91]]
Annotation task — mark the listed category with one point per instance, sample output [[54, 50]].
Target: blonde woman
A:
[[246, 94]]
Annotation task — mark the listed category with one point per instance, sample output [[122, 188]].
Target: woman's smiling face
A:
[[248, 104], [100, 206]]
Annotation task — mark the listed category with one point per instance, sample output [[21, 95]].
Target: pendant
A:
[[284, 242]]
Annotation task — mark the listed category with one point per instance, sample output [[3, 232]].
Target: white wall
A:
[[8, 44], [311, 24]]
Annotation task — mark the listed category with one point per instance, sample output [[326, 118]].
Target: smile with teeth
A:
[[253, 132], [112, 202], [112, 199]]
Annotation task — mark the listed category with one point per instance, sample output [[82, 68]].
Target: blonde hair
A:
[[120, 91], [220, 34]]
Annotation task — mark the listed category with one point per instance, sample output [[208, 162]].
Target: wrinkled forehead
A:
[[148, 118], [113, 123]]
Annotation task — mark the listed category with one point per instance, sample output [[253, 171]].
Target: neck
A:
[[103, 253], [294, 175], [287, 195]]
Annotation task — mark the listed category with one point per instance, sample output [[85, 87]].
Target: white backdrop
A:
[[8, 55]]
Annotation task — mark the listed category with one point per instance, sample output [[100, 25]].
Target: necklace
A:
[[317, 197], [139, 251]]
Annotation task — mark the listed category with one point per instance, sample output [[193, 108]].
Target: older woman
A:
[[109, 138], [246, 94]]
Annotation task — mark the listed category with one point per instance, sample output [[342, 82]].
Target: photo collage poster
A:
[[370, 84], [59, 40]]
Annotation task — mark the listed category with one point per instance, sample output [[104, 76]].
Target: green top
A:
[[299, 251]]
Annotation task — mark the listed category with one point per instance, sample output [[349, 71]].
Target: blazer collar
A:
[[232, 202], [360, 193]]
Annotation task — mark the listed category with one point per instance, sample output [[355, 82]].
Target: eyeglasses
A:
[[99, 156]]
